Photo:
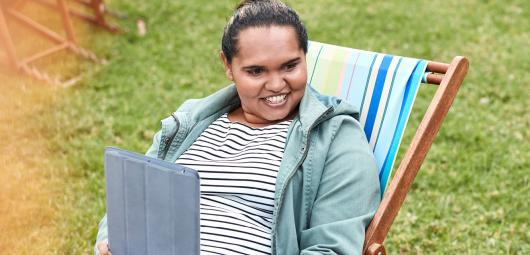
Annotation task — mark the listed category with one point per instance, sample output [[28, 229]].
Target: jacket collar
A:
[[311, 109], [224, 99]]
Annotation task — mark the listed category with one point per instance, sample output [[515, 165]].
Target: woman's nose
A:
[[276, 84]]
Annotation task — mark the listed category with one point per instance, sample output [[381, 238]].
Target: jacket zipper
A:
[[305, 147], [169, 141]]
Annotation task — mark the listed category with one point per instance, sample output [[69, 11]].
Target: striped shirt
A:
[[237, 165]]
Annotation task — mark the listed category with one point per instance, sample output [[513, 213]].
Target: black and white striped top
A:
[[237, 166]]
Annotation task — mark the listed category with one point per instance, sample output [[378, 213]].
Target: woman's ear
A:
[[227, 66]]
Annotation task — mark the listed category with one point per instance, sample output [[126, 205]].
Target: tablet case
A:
[[152, 205]]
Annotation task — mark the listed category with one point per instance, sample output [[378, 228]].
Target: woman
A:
[[284, 170]]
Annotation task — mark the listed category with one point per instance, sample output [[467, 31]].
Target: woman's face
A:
[[270, 73]]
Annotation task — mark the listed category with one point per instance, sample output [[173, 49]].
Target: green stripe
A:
[[316, 60]]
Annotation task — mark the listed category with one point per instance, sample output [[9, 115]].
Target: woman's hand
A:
[[103, 248]]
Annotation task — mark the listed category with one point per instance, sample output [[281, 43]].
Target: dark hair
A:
[[260, 13]]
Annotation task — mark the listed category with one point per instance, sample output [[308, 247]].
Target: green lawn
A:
[[472, 193]]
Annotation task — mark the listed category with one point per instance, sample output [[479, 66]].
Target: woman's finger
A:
[[103, 248]]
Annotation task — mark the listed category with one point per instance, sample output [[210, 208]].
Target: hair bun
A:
[[253, 1], [249, 2]]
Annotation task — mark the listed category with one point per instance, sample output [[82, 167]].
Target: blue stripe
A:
[[385, 171], [376, 95], [406, 106], [387, 100]]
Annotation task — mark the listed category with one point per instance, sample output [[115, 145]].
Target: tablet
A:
[[152, 205]]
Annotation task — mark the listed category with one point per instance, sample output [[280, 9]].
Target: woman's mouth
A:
[[276, 100]]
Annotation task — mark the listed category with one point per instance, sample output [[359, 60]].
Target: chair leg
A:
[[375, 249], [7, 42], [99, 9], [67, 21], [99, 15]]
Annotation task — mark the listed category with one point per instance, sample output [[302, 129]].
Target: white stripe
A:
[[250, 187], [239, 144], [260, 200], [208, 250], [196, 156], [246, 176], [219, 216], [233, 207], [256, 221], [215, 223], [230, 169], [383, 100], [226, 236], [236, 247], [370, 88], [260, 168], [223, 152]]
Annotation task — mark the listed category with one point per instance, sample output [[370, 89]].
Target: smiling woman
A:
[[270, 74], [284, 170]]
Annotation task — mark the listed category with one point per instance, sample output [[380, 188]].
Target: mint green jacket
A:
[[327, 188]]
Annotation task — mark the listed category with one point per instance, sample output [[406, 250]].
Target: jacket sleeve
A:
[[153, 149], [347, 197], [103, 231]]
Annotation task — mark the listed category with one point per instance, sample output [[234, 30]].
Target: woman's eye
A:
[[290, 67], [255, 71]]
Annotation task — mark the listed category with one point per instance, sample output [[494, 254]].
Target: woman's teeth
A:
[[276, 99]]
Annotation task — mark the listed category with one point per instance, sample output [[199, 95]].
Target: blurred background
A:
[[471, 195]]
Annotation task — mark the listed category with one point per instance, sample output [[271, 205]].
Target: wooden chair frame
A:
[[24, 65], [449, 77], [99, 13]]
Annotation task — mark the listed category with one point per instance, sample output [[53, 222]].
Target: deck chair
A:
[[384, 87], [11, 11]]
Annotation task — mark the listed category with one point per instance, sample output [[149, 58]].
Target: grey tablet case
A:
[[152, 205]]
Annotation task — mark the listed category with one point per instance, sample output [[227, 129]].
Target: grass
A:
[[471, 195]]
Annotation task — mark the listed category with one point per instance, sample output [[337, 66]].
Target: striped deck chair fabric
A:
[[382, 86]]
